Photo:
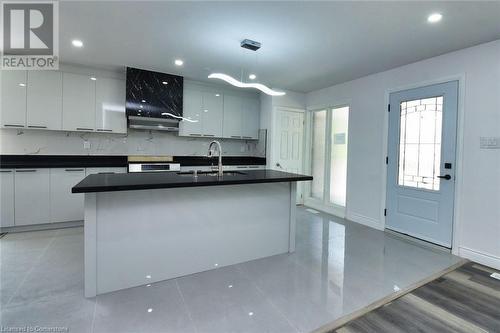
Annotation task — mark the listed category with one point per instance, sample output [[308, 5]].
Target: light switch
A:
[[489, 142]]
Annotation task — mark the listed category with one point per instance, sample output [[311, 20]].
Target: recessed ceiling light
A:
[[77, 43], [150, 310], [252, 76], [434, 18], [22, 84], [93, 78], [144, 101], [217, 95], [165, 82], [179, 62]]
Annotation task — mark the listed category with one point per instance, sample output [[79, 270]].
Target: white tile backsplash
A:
[[41, 142]]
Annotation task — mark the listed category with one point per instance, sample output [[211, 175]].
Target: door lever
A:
[[447, 177]]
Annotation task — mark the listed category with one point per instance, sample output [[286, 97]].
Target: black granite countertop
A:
[[87, 161], [145, 181]]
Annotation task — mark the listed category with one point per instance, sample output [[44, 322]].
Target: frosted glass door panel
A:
[[338, 155], [318, 154]]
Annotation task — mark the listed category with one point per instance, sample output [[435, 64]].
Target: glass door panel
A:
[[318, 154], [338, 155]]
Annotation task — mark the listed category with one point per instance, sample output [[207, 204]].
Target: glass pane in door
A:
[[338, 155], [420, 143], [318, 154]]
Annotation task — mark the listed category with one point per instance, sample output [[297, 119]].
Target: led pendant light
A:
[[253, 46], [231, 80]]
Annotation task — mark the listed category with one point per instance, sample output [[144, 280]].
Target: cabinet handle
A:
[[25, 170], [104, 130], [208, 135], [9, 125], [36, 126], [73, 170], [236, 136], [194, 134], [5, 171], [247, 137], [84, 129]]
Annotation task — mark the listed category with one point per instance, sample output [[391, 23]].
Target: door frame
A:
[[272, 153], [456, 230], [330, 208]]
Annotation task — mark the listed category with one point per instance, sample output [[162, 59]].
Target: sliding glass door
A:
[[328, 159]]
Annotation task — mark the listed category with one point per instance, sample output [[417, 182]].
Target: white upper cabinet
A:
[[6, 197], [212, 114], [79, 102], [13, 99], [110, 106], [192, 125], [241, 117], [250, 118], [232, 117], [44, 100]]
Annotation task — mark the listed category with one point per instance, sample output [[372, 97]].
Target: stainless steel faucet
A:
[[220, 172]]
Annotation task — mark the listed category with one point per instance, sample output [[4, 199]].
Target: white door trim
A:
[[461, 78]]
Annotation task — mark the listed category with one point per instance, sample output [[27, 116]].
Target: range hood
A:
[[157, 124], [154, 100]]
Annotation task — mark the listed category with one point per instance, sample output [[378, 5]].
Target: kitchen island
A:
[[147, 227]]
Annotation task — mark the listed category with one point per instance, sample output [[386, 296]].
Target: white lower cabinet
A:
[[64, 205], [31, 196], [6, 198]]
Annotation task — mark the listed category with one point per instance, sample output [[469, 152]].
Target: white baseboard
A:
[[365, 220], [480, 257]]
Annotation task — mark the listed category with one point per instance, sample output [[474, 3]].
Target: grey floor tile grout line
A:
[[185, 305], [92, 325], [38, 260], [267, 299]]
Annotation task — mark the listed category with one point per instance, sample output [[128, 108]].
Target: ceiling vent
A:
[[250, 44]]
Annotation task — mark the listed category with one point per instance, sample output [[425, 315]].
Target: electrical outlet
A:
[[86, 144]]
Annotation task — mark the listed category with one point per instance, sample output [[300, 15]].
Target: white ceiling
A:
[[305, 45]]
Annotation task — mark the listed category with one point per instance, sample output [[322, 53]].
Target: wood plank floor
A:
[[464, 300]]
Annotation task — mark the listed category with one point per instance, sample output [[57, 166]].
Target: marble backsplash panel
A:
[[41, 142]]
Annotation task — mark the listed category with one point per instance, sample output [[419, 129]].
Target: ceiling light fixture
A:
[[165, 82], [252, 76], [93, 78], [434, 18], [22, 85], [179, 62], [231, 80], [77, 43]]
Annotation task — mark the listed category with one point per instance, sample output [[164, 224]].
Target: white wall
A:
[[477, 223]]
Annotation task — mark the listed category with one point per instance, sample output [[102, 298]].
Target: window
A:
[[329, 156], [420, 143]]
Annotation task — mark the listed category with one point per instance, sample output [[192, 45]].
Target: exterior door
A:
[[421, 162], [287, 143]]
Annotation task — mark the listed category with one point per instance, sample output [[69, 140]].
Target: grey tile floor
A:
[[338, 267]]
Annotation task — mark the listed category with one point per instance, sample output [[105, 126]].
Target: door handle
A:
[[447, 177]]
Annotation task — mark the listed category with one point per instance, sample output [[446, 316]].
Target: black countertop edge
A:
[[151, 181], [65, 161]]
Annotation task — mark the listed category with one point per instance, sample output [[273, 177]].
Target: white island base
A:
[[139, 237]]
